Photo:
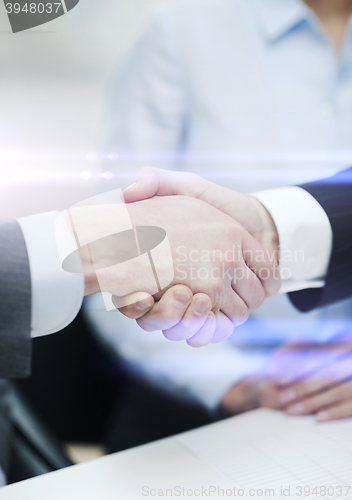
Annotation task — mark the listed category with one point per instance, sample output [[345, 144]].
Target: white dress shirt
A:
[[3, 480], [305, 236], [56, 294], [250, 94]]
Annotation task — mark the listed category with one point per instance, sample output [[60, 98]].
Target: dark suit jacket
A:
[[15, 319], [335, 196], [15, 303]]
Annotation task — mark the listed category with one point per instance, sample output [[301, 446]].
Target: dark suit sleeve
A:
[[15, 303], [335, 196]]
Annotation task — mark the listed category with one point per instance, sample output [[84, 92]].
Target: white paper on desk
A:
[[266, 450], [257, 451]]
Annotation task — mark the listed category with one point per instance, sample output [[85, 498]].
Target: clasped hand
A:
[[222, 271]]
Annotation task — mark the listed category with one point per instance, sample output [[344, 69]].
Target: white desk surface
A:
[[121, 476], [259, 449]]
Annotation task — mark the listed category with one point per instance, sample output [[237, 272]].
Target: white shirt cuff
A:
[[305, 236], [56, 294], [3, 480]]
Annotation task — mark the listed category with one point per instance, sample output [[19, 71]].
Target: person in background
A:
[[250, 94]]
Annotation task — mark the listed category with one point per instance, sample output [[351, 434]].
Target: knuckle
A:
[[126, 311], [243, 315], [216, 295], [149, 170], [270, 275], [166, 318], [272, 285], [193, 177], [170, 334], [196, 343], [229, 329], [259, 296], [146, 325], [217, 290]]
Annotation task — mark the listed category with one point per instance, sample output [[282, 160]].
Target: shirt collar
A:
[[278, 17]]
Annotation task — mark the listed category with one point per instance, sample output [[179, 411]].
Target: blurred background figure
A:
[[250, 94]]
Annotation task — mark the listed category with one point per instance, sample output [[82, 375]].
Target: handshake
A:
[[222, 248]]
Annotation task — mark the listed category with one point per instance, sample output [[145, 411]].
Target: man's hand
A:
[[212, 255], [308, 379], [301, 379], [243, 396], [142, 249], [246, 210]]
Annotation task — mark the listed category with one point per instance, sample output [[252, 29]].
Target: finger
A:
[[318, 381], [247, 286], [224, 328], [296, 361], [193, 319], [326, 398], [205, 335], [262, 264], [307, 358], [341, 410], [153, 181], [304, 389], [235, 309], [168, 311], [138, 309], [142, 188], [293, 365], [282, 365], [269, 396]]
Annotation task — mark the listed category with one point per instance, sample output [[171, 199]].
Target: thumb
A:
[[157, 182], [145, 185]]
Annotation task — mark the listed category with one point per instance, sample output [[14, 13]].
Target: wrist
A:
[[266, 233]]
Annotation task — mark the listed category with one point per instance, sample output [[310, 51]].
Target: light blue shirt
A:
[[251, 94]]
